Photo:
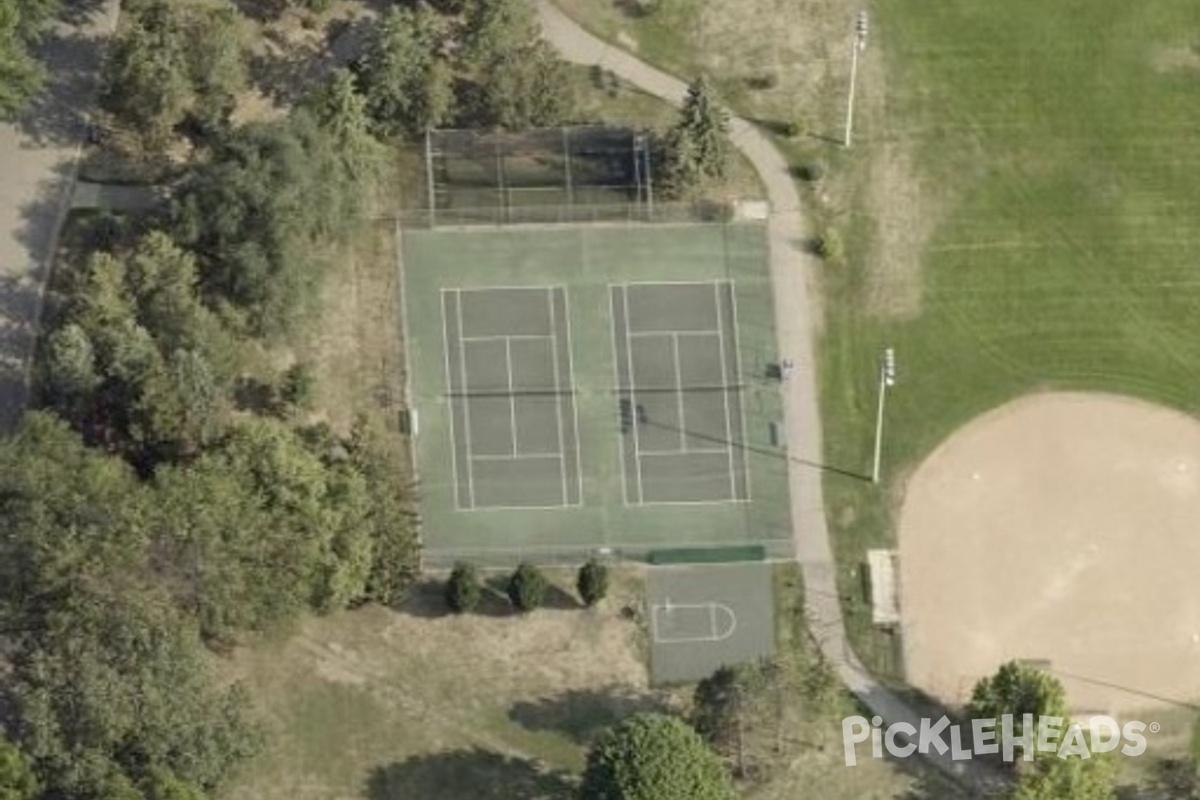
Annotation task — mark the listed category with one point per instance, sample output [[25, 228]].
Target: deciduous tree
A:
[[1072, 778], [513, 79], [21, 77], [403, 73], [112, 686], [17, 780], [171, 60], [653, 757], [1018, 689]]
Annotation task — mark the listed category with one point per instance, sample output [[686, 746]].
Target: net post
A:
[[429, 178]]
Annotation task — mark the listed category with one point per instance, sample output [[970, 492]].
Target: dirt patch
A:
[[1059, 527], [1176, 59]]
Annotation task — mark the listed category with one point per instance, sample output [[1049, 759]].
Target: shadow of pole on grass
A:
[[476, 774]]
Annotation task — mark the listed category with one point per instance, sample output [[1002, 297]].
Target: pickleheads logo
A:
[[1066, 739]]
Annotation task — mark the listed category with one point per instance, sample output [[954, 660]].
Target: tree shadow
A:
[[57, 116], [426, 600], [635, 9], [583, 714], [80, 12], [18, 304], [287, 72], [774, 126], [1171, 779], [261, 10], [476, 773], [559, 599]]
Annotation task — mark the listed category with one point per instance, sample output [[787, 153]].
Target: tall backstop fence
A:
[[567, 174]]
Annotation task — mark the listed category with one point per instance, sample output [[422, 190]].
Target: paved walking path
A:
[[38, 160], [791, 268]]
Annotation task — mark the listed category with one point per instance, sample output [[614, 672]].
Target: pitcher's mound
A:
[[1061, 528]]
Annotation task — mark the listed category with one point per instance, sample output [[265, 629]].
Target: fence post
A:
[[429, 177]]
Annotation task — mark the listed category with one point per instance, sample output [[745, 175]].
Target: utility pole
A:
[[860, 44], [887, 379]]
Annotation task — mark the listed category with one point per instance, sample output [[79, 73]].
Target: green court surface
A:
[[594, 389]]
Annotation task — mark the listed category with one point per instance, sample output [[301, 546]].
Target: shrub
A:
[[463, 589], [810, 172], [527, 587], [299, 386], [592, 582], [829, 246]]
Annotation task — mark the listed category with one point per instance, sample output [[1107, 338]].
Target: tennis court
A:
[[679, 392], [521, 446], [513, 423]]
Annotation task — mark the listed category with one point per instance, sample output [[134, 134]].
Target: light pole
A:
[[860, 44], [887, 379]]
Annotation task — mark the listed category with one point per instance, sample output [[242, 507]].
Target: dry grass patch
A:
[[905, 220], [380, 704]]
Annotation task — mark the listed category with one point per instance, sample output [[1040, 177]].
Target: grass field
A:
[[1017, 212], [382, 705], [585, 261], [1052, 150]]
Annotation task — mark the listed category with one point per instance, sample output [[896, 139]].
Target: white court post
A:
[[860, 44], [887, 379]]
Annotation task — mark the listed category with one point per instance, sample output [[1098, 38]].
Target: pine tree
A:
[[592, 582], [697, 147], [463, 590]]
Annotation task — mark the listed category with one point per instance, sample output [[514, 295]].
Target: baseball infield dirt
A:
[[1063, 528]]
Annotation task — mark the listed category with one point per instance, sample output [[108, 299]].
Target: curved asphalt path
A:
[[790, 268], [39, 156]]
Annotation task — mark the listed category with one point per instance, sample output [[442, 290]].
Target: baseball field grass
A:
[[1017, 213], [1051, 158]]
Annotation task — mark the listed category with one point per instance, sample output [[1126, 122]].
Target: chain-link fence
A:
[[568, 174], [612, 213]]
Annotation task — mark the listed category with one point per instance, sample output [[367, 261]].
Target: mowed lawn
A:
[[1055, 149]]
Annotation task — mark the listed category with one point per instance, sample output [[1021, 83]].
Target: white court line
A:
[[705, 332], [517, 457], [679, 393], [462, 368], [612, 316], [714, 635], [512, 396], [450, 395], [674, 283], [536, 336], [725, 394], [562, 459], [571, 388], [737, 366], [703, 451], [637, 456], [485, 509]]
